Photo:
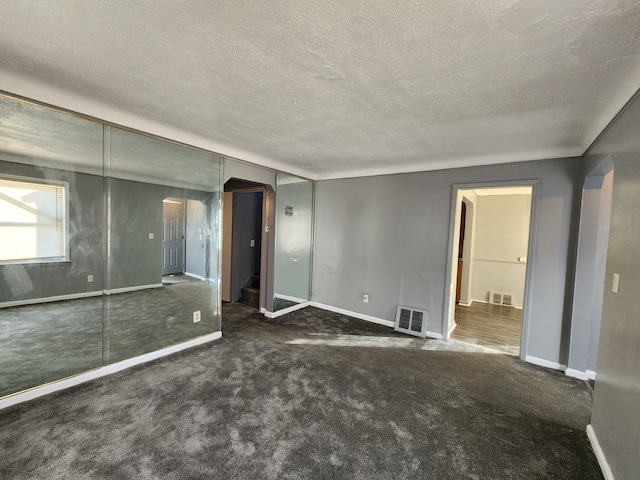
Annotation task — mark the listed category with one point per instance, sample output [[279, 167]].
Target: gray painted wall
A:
[[136, 211], [616, 412], [196, 240], [590, 273], [389, 236]]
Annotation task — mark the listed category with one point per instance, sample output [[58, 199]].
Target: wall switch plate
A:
[[89, 278], [196, 316], [253, 243], [616, 283], [151, 236], [365, 297]]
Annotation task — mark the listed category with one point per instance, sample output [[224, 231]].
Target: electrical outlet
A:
[[196, 316], [89, 278], [365, 297]]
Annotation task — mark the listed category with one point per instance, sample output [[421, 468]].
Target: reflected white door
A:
[[172, 237]]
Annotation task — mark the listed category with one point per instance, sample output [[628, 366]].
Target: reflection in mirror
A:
[[51, 245], [164, 207], [294, 230], [108, 244]]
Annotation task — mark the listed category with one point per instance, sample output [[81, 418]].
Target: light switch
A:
[[151, 236], [253, 243], [615, 283]]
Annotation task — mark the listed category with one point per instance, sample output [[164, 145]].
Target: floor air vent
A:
[[496, 298], [412, 321]]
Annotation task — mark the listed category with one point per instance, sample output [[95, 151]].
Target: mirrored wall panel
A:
[[51, 245], [164, 202], [294, 231], [108, 244]]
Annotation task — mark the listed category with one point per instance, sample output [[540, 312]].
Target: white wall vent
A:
[[412, 321], [497, 298]]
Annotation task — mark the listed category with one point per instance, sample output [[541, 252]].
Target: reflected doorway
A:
[[173, 241]]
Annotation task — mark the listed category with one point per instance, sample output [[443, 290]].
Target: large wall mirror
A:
[[294, 235], [109, 244]]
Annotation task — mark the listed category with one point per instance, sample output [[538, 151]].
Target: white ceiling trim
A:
[[455, 163]]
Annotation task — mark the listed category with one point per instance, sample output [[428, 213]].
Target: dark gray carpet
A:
[[288, 399], [46, 342]]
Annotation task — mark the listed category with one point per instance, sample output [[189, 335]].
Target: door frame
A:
[[450, 279]]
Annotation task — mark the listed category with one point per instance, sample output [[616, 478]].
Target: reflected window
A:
[[33, 220]]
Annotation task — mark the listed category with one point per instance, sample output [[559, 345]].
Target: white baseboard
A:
[[361, 316], [200, 277], [480, 300], [56, 298], [291, 299], [195, 275], [586, 375], [545, 363], [572, 372], [597, 449], [284, 311], [465, 304], [368, 318], [68, 382], [114, 291]]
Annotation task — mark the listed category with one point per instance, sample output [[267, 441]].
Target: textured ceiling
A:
[[329, 88]]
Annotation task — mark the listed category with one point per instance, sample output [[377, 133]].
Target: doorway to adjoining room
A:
[[489, 274]]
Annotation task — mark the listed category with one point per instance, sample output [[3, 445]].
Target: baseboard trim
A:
[[195, 275], [292, 299], [284, 311], [479, 300], [114, 291], [69, 382], [541, 362], [597, 449], [200, 277], [437, 336], [586, 375], [55, 298], [368, 318], [361, 316]]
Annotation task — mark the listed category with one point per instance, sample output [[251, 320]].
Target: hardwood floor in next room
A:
[[489, 325]]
